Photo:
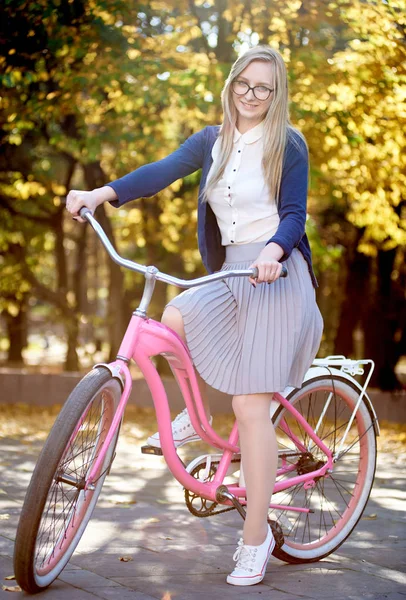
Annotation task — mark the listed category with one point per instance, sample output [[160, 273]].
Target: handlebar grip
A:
[[284, 272], [84, 211]]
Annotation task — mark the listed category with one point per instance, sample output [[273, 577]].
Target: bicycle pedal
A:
[[151, 450]]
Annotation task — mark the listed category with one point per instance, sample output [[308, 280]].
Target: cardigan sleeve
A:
[[150, 179], [293, 198]]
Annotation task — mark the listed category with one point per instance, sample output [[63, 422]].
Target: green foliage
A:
[[325, 256], [93, 89]]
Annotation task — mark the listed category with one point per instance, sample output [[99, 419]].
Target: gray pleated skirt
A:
[[246, 340]]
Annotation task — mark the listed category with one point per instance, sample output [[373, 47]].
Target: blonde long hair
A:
[[277, 125]]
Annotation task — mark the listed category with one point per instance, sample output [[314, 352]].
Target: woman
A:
[[245, 339]]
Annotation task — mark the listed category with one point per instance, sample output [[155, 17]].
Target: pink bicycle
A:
[[326, 433]]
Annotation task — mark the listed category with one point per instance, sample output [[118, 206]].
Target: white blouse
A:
[[241, 201]]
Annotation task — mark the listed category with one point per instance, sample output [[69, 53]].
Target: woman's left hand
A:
[[269, 269]]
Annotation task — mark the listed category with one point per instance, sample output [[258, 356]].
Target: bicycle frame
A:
[[146, 338]]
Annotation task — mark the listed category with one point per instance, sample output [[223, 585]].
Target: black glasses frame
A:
[[270, 90]]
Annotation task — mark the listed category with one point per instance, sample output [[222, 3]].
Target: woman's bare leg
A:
[[259, 460], [173, 319]]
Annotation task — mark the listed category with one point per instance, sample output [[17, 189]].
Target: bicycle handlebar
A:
[[86, 213]]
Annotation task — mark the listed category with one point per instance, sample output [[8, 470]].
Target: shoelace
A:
[[244, 556], [183, 418], [181, 415]]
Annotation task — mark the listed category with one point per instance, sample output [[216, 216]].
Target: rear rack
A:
[[352, 367], [347, 365]]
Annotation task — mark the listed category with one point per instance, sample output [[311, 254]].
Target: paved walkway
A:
[[175, 556]]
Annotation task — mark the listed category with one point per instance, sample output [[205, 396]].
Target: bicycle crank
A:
[[198, 506]]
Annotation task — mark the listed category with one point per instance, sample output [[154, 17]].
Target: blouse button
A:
[[232, 241], [233, 222], [234, 170]]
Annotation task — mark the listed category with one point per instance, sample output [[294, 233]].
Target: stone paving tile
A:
[[144, 564], [392, 596], [58, 590], [6, 569], [341, 583], [383, 596], [6, 546], [85, 579], [217, 557], [68, 587], [384, 573], [391, 556], [198, 587], [364, 568], [120, 593], [153, 529]]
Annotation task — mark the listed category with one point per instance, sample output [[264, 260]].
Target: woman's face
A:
[[252, 110]]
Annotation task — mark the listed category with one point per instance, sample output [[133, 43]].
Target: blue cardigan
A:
[[194, 154]]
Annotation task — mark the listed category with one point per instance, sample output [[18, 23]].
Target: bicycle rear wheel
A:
[[338, 499], [57, 508]]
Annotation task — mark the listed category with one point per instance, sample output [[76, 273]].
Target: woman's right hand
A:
[[77, 199]]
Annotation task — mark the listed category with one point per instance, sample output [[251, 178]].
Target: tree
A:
[[102, 89], [364, 150]]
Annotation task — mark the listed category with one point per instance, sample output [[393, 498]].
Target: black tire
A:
[[339, 498], [56, 511]]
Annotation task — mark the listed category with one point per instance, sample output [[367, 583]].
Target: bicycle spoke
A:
[[339, 491], [323, 514], [344, 452], [296, 523], [344, 480], [55, 519], [326, 437]]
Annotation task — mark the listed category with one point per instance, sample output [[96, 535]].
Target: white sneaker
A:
[[182, 430], [251, 561]]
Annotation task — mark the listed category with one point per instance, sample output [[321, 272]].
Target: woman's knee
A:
[[172, 318], [251, 407]]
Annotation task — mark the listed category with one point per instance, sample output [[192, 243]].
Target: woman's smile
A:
[[249, 106]]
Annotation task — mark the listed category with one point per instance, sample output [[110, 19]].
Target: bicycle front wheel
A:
[[338, 499], [57, 508]]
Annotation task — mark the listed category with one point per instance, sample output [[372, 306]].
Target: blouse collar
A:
[[250, 136]]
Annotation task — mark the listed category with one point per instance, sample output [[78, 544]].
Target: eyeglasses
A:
[[240, 88]]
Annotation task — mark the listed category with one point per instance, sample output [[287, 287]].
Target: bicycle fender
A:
[[114, 371]]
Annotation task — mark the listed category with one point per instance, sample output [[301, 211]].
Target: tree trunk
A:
[[60, 256], [155, 252], [224, 50], [17, 333], [72, 331], [72, 325], [380, 324], [118, 313], [70, 319], [354, 301]]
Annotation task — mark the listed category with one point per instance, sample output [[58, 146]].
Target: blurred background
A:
[[92, 89]]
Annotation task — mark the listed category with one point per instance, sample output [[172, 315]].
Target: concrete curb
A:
[[41, 389]]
